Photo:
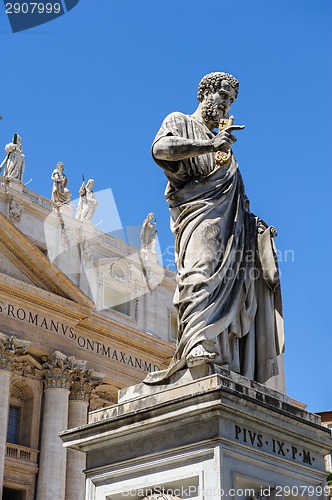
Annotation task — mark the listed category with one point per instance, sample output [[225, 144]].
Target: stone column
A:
[[9, 349], [83, 383], [52, 468]]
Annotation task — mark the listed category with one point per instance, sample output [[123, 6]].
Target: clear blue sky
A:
[[92, 87]]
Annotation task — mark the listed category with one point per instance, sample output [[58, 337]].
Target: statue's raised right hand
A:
[[224, 140]]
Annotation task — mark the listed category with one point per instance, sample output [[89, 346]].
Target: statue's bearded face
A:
[[216, 106]]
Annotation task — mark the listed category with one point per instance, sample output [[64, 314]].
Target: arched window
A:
[[16, 403], [20, 414]]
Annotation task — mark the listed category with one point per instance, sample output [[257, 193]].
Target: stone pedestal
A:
[[203, 436], [14, 184], [67, 209]]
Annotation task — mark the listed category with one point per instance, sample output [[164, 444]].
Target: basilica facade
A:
[[82, 315]]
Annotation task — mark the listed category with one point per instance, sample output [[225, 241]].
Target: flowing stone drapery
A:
[[225, 298], [60, 193], [87, 204], [14, 163]]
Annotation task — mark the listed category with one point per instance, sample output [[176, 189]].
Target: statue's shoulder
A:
[[10, 147], [177, 116], [174, 124], [175, 121]]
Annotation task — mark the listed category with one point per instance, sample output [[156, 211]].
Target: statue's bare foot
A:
[[198, 356]]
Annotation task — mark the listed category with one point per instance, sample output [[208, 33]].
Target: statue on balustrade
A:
[[60, 193], [14, 163], [148, 234], [228, 291], [87, 204]]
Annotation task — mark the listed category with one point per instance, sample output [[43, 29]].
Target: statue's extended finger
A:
[[234, 127]]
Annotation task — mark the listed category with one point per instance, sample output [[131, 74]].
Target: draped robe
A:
[[14, 163], [228, 292], [87, 204], [60, 194]]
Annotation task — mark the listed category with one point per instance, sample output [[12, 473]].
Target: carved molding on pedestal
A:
[[10, 348], [161, 496]]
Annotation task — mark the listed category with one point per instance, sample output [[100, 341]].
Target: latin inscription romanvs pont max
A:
[[59, 328]]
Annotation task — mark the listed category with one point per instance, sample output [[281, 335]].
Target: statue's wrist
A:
[[212, 148]]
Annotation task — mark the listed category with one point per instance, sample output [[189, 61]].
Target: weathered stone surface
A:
[[218, 433], [228, 293]]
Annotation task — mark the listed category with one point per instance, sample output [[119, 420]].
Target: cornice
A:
[[86, 320], [33, 296], [32, 262], [126, 335]]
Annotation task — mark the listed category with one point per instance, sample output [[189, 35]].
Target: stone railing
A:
[[12, 184], [21, 452], [37, 198]]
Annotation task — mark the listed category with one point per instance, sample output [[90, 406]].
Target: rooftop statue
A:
[[228, 293], [60, 193], [88, 203], [148, 234], [14, 162]]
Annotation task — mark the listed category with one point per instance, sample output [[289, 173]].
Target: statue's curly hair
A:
[[212, 82]]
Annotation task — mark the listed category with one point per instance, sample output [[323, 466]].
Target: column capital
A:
[[58, 370], [84, 382], [10, 348]]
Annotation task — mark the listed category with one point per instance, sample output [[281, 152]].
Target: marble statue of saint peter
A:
[[228, 292]]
